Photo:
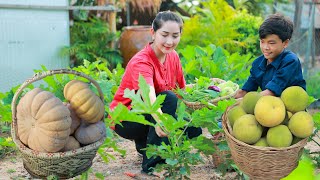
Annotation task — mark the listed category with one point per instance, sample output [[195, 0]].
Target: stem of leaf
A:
[[155, 117], [315, 142]]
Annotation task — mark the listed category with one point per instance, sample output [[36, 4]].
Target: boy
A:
[[277, 68]]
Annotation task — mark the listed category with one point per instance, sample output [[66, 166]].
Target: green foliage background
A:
[[219, 24]]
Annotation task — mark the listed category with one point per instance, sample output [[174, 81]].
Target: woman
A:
[[160, 65]]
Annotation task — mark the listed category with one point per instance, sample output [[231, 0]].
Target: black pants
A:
[[143, 134]]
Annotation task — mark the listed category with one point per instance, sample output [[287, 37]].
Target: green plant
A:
[[315, 156], [247, 26], [211, 25], [313, 85], [9, 171], [90, 40], [52, 177], [85, 175], [215, 62], [216, 22], [179, 153], [6, 146]]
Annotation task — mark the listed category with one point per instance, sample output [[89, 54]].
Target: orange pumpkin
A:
[[71, 144], [90, 133], [75, 119], [43, 121], [87, 105]]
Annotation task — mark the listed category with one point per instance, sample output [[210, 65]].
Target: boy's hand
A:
[[240, 93], [267, 92]]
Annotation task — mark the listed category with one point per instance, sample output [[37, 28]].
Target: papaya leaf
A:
[[172, 162], [122, 113], [145, 90], [157, 104], [203, 144]]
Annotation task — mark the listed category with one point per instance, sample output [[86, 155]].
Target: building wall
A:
[[30, 38]]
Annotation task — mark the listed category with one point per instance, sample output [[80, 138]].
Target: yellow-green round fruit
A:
[[249, 101], [279, 136], [270, 111], [247, 129], [262, 142], [234, 114], [301, 124], [295, 98]]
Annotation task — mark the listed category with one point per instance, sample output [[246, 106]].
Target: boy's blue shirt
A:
[[283, 72]]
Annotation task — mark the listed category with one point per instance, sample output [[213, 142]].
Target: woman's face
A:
[[166, 39]]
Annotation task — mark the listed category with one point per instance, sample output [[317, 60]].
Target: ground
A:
[[11, 167]]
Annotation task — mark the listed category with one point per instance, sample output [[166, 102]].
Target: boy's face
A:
[[271, 46]]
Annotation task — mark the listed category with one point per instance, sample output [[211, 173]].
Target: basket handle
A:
[[41, 75]]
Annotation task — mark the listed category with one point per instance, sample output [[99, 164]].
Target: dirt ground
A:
[[11, 167]]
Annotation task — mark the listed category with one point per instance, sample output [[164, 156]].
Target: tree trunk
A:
[[297, 25]]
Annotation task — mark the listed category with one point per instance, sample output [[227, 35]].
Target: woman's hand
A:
[[160, 132]]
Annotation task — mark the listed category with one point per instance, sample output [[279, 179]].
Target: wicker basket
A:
[[61, 164], [262, 162], [199, 105]]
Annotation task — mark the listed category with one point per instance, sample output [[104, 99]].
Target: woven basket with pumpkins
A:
[[55, 137], [266, 134]]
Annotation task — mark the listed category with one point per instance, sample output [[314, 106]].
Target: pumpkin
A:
[[75, 119], [43, 121], [90, 133], [71, 144], [87, 105]]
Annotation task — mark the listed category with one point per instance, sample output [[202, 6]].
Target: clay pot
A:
[[132, 40]]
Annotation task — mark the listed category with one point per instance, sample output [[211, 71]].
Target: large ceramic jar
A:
[[132, 40]]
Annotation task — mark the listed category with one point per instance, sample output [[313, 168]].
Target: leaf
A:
[[121, 113], [157, 104], [204, 145], [172, 162], [183, 171], [311, 100], [100, 176], [305, 170], [8, 98], [145, 90], [188, 52], [316, 119], [181, 111], [200, 52], [137, 103]]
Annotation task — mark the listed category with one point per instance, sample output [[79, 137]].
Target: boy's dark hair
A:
[[276, 24], [165, 16]]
